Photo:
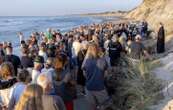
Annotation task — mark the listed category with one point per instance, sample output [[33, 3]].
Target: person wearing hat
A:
[[38, 64], [15, 60], [137, 49]]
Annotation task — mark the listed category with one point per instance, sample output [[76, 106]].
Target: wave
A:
[[9, 26]]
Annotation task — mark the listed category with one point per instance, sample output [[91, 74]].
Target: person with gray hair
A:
[[50, 102]]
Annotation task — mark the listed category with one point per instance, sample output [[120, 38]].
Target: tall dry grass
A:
[[135, 87]]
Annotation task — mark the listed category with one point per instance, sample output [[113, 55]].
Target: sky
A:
[[62, 7]]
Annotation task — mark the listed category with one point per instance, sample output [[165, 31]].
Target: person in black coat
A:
[[81, 56], [10, 57], [115, 50], [161, 39], [26, 60]]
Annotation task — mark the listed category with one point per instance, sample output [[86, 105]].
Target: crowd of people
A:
[[52, 65]]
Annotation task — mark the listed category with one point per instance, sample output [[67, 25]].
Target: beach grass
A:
[[136, 88]]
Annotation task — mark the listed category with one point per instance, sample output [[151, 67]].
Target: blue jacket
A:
[[94, 72]]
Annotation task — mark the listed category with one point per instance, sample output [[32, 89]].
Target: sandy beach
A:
[[114, 60]]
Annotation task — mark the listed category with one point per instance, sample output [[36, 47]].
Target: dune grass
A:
[[136, 88]]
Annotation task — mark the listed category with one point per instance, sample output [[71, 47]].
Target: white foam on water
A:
[[11, 25]]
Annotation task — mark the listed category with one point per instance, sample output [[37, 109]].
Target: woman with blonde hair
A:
[[6, 82], [92, 51], [95, 39], [94, 67], [31, 98]]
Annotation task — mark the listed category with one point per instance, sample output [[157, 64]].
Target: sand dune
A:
[[155, 11]]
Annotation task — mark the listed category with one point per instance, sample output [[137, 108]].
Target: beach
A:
[[86, 55], [10, 26], [65, 24]]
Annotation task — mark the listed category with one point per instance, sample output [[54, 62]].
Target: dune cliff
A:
[[155, 11]]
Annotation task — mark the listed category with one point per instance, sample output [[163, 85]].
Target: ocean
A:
[[9, 26]]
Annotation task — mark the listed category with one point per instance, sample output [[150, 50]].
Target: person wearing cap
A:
[[136, 49], [15, 60], [38, 64]]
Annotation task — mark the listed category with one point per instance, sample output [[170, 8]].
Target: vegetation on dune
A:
[[155, 11], [135, 88]]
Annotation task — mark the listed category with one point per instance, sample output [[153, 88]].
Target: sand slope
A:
[[155, 11], [165, 73]]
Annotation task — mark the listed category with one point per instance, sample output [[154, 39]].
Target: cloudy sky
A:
[[62, 7]]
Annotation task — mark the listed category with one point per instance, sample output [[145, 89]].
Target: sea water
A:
[[10, 26]]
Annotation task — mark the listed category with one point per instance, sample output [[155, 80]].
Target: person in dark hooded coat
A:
[[161, 39]]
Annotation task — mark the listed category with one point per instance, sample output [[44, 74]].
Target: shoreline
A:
[[109, 13], [104, 19], [114, 20]]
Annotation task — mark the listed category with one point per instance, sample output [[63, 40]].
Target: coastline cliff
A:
[[155, 11]]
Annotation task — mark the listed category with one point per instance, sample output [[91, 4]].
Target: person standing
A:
[[38, 64], [49, 35], [17, 89], [10, 57], [161, 39], [137, 50], [31, 99], [21, 36], [26, 60], [115, 50], [50, 102], [7, 81], [94, 68]]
